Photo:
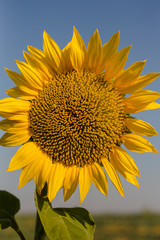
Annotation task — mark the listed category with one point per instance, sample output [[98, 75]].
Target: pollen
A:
[[77, 118]]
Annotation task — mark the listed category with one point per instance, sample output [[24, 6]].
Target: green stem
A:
[[17, 229], [39, 230], [20, 234]]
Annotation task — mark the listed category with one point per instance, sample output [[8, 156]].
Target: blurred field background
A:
[[144, 226]]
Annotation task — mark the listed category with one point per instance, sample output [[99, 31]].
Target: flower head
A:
[[70, 112]]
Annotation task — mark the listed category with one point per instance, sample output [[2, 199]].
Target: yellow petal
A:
[[36, 52], [17, 78], [30, 59], [78, 51], [137, 143], [66, 54], [70, 181], [29, 90], [128, 176], [40, 66], [84, 181], [14, 139], [31, 75], [15, 92], [99, 178], [111, 46], [29, 172], [123, 160], [41, 63], [43, 175], [112, 175], [20, 116], [55, 181], [117, 63], [109, 49], [53, 53], [140, 127], [21, 82], [41, 60], [139, 100], [23, 129], [129, 76], [25, 155], [36, 177], [7, 125], [12, 105], [140, 82], [94, 52], [151, 106]]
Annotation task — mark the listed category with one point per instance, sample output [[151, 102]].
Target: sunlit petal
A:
[[137, 143]]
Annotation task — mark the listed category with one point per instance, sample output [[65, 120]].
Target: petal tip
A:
[[44, 32], [81, 201], [155, 133], [74, 30], [20, 185], [6, 69], [138, 174], [17, 61]]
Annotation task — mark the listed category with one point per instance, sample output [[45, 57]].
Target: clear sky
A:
[[22, 23]]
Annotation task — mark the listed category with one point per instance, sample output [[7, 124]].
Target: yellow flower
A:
[[70, 112]]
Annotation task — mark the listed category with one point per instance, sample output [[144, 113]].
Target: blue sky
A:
[[22, 23]]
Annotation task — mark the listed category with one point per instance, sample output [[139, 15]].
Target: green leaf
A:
[[65, 223], [9, 203], [5, 220], [9, 206]]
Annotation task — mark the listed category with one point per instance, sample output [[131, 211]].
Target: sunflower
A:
[[71, 114]]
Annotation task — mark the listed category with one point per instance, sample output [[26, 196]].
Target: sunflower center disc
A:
[[77, 118]]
